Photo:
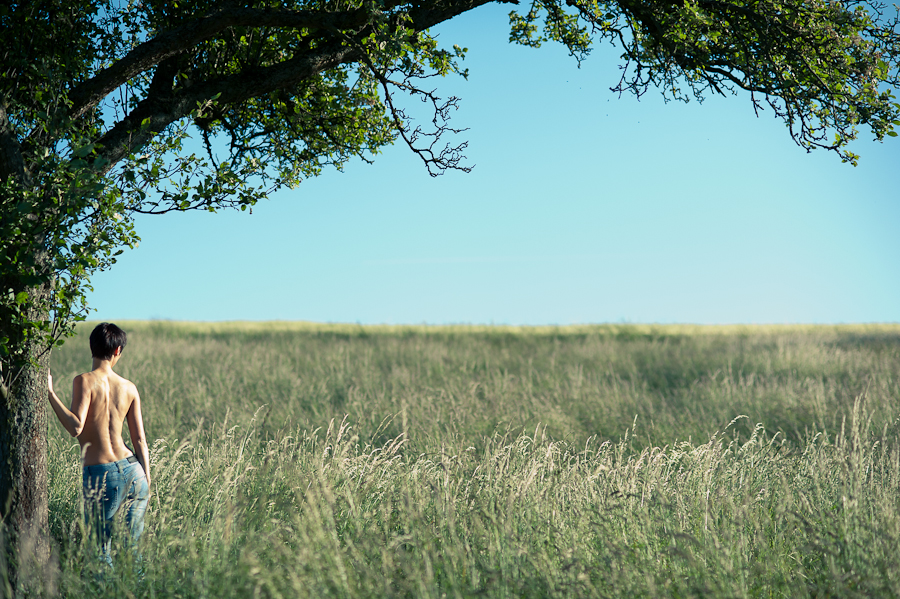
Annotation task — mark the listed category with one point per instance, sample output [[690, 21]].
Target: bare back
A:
[[110, 399]]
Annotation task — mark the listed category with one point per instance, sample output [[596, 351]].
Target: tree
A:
[[98, 97]]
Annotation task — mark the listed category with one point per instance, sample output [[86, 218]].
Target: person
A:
[[113, 478]]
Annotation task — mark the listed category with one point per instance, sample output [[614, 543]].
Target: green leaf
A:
[[21, 297], [84, 150]]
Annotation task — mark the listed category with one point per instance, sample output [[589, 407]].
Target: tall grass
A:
[[340, 461]]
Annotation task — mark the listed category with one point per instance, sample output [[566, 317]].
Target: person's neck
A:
[[101, 364]]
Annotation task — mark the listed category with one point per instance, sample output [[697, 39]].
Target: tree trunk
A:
[[23, 477]]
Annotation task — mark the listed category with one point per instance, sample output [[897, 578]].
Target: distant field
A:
[[306, 460]]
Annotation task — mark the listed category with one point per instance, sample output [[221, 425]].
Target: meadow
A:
[[300, 460]]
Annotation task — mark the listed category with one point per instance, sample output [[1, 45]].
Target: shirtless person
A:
[[112, 476]]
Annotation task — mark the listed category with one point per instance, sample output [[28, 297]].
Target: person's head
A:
[[105, 339]]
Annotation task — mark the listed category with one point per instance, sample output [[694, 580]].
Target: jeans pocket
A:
[[143, 489], [138, 489], [111, 500]]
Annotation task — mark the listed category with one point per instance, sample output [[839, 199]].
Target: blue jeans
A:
[[107, 489]]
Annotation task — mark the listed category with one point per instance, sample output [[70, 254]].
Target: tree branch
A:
[[11, 162], [90, 93], [153, 114], [426, 15]]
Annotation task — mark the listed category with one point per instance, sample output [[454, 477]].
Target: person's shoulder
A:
[[87, 382], [129, 387], [85, 378]]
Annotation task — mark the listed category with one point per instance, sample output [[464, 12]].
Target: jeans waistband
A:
[[110, 466]]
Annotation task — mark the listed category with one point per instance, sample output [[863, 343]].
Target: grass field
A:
[[299, 460]]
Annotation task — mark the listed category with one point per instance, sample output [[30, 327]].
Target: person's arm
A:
[[138, 437], [71, 419]]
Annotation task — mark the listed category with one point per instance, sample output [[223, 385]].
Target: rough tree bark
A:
[[23, 477]]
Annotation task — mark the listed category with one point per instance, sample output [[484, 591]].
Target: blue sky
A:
[[583, 207]]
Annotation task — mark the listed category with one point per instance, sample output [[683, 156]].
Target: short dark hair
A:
[[105, 338]]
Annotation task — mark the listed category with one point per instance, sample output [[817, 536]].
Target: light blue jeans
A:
[[107, 489]]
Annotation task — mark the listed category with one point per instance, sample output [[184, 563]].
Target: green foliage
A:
[[498, 463], [59, 220], [98, 107], [56, 236], [825, 68]]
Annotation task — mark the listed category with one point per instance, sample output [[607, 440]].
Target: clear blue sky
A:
[[583, 207]]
